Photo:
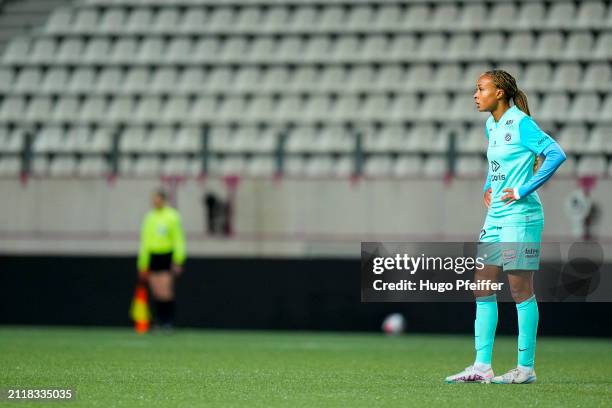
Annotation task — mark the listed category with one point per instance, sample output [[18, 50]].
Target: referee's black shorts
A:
[[160, 262]]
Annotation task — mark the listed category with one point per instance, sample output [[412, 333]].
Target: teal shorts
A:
[[515, 247]]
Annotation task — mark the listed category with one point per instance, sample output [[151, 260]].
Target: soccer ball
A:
[[394, 324]]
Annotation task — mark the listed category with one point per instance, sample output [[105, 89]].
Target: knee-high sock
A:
[[528, 316], [165, 311], [484, 328], [160, 311], [170, 312]]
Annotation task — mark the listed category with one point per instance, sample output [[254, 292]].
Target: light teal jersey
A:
[[514, 142]]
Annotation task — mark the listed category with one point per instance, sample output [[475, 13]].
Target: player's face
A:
[[487, 95], [157, 201]]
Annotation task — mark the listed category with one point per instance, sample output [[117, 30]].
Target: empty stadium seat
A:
[[97, 50], [263, 166], [17, 50], [43, 50], [378, 166], [590, 14], [585, 107], [597, 73], [59, 21], [596, 166], [573, 138], [10, 166], [561, 14], [62, 166], [601, 139], [470, 167], [92, 167], [55, 80], [94, 109], [99, 140], [568, 76], [408, 166], [29, 79], [435, 166], [11, 141], [84, 80], [13, 108], [605, 112], [531, 14]]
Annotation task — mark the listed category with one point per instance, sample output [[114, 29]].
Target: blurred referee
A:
[[161, 256]]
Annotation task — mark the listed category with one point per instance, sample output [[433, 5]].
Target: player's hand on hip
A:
[[487, 198], [177, 269], [509, 196]]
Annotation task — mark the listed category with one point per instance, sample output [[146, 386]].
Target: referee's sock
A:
[[484, 329], [528, 316], [165, 312], [160, 312], [169, 313]]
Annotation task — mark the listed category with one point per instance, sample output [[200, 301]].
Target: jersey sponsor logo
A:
[[508, 137], [509, 122], [494, 166], [542, 140]]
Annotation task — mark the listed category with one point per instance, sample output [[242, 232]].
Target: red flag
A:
[[139, 310]]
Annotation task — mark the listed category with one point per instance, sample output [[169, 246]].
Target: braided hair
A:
[[506, 82]]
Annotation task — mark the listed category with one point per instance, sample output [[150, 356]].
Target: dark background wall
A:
[[321, 294]]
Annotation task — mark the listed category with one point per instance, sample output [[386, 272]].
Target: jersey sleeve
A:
[[532, 137], [144, 257], [178, 238], [555, 156]]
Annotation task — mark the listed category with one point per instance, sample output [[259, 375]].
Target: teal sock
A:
[[528, 317], [484, 328]]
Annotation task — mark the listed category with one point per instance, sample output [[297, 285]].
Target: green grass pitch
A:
[[191, 368]]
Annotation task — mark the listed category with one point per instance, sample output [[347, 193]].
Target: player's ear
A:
[[499, 94]]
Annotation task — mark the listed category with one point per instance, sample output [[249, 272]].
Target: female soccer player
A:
[[514, 221], [161, 256]]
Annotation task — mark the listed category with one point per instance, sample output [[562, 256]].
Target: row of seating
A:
[[291, 108], [539, 76], [266, 166], [575, 139], [220, 17], [315, 49]]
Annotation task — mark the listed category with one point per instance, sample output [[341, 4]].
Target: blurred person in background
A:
[[161, 256], [514, 222]]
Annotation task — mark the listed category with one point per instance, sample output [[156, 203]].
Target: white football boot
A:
[[471, 374], [516, 376]]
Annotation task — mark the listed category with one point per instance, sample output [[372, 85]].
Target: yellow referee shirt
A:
[[161, 233]]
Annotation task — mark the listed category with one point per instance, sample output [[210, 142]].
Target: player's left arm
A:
[[536, 140], [178, 252]]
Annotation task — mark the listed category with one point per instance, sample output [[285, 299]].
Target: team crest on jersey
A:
[[508, 137]]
